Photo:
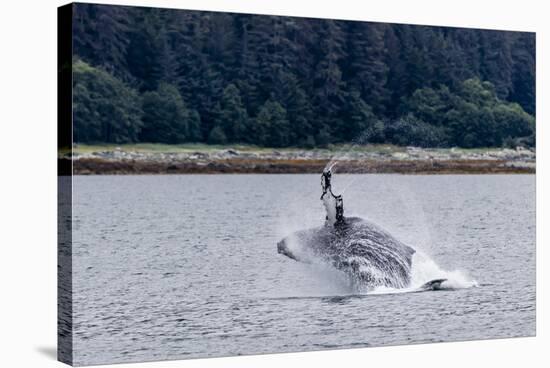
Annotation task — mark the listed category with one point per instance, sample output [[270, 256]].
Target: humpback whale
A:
[[368, 254]]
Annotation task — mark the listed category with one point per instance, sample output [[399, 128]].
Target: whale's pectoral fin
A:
[[283, 249], [433, 285]]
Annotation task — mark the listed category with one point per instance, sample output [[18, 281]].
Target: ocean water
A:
[[186, 266]]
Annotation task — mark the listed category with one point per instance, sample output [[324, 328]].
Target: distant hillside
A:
[[174, 76]]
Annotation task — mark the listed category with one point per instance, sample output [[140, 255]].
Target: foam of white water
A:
[[423, 270]]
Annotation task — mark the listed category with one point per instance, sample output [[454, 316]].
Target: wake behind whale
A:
[[371, 257]]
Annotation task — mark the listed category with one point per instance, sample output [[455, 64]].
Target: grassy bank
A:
[[200, 147]]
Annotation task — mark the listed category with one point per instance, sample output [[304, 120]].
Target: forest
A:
[[176, 76]]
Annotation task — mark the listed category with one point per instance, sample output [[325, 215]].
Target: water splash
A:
[[345, 154], [425, 269], [378, 263]]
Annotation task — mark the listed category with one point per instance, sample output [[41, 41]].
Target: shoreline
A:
[[191, 159], [110, 167]]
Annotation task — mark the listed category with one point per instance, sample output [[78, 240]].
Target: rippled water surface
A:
[[171, 267]]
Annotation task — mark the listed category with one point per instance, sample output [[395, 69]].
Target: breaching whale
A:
[[367, 253]]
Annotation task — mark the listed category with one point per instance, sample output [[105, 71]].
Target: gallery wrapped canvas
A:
[[237, 184]]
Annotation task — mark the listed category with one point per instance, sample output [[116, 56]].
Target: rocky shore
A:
[[384, 159]]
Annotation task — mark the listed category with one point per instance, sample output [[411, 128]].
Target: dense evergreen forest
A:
[[174, 76]]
